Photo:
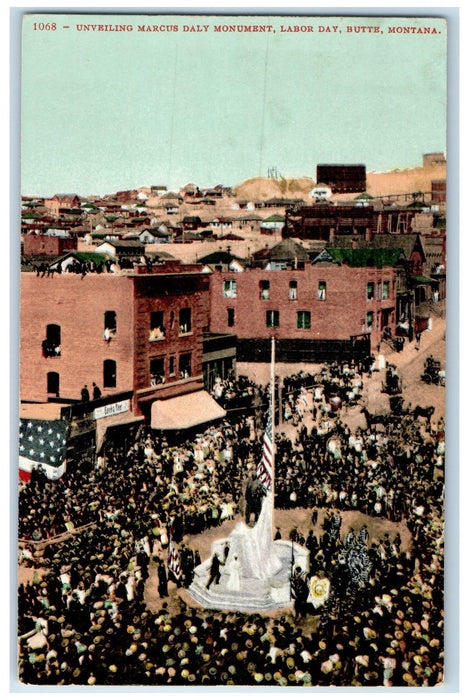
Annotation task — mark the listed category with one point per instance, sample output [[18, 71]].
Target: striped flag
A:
[[173, 556], [264, 468]]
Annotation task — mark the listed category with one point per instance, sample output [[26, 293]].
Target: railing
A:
[[56, 539]]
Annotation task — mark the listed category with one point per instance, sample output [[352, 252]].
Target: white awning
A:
[[182, 412]]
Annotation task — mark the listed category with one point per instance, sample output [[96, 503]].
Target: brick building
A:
[[47, 245], [62, 202], [137, 335], [430, 159], [335, 306], [439, 191], [342, 178]]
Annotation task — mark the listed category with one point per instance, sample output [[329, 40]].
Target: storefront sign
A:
[[111, 410]]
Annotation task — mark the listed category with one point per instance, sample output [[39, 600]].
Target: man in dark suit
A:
[[162, 579], [215, 572], [254, 495]]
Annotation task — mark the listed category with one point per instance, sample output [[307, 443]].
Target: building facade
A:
[[47, 245], [342, 178], [134, 334], [318, 312], [326, 222]]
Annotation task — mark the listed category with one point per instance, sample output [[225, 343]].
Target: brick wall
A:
[[47, 245], [77, 306], [342, 314], [169, 294]]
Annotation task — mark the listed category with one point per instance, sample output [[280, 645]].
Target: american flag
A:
[[264, 468], [42, 443], [173, 556]]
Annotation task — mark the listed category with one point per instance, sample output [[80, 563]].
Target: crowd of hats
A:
[[86, 622]]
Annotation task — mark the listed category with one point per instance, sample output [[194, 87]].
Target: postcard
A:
[[232, 365]]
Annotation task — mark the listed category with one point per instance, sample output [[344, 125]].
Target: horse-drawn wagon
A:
[[392, 383], [433, 373]]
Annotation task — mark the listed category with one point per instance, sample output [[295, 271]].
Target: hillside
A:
[[266, 188], [391, 182]]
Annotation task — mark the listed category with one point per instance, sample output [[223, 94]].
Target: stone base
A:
[[255, 595]]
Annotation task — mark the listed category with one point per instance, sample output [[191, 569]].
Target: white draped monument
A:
[[255, 575]]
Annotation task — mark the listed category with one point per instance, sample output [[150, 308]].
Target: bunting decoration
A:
[[42, 445]]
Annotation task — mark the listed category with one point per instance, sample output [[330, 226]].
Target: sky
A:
[[108, 110]]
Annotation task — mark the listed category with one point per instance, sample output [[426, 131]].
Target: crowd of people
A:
[[86, 621]]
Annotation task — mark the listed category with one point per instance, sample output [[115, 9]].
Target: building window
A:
[[369, 320], [303, 320], [385, 290], [370, 290], [264, 288], [51, 343], [110, 325], [53, 383], [185, 370], [157, 329], [231, 317], [157, 371], [172, 370], [321, 290], [272, 319], [293, 290], [230, 289], [185, 323], [109, 374]]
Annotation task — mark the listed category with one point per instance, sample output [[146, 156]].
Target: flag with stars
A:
[[42, 444], [173, 556], [264, 468]]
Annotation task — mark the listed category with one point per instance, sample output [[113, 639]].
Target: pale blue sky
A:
[[103, 111]]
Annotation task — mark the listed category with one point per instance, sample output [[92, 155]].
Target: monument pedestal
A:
[[254, 594]]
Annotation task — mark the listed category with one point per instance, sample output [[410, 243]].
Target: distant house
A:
[[363, 199], [231, 237], [248, 220], [68, 262], [187, 237], [244, 204], [222, 223], [214, 192], [127, 196], [273, 223], [191, 223], [286, 254], [158, 189], [48, 244], [109, 207], [171, 207], [283, 202], [121, 249], [154, 235], [224, 259], [61, 202], [190, 191], [139, 221]]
